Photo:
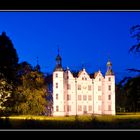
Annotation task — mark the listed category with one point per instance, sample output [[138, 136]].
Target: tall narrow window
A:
[[89, 97], [109, 87], [99, 88], [68, 97], [68, 86], [89, 108], [56, 85], [109, 79], [56, 96], [84, 97], [56, 75], [85, 109], [89, 87], [109, 97], [57, 108], [99, 97], [99, 79], [68, 108], [79, 108], [79, 97]]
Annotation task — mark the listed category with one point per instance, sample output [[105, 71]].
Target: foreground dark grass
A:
[[120, 121]]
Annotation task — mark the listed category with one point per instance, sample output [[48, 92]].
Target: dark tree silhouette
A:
[[135, 33], [8, 58], [132, 91]]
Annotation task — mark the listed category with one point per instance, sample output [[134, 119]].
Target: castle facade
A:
[[83, 93]]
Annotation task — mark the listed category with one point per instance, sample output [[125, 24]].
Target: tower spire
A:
[[109, 68], [58, 61]]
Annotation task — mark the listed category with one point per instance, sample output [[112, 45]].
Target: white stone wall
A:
[[93, 101], [60, 91]]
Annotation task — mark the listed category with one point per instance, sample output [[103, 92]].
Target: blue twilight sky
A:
[[88, 38]]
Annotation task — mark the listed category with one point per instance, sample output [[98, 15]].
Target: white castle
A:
[[83, 93]]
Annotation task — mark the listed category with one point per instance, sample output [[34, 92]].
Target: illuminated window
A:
[[79, 108], [109, 79], [109, 108], [68, 97], [79, 97], [109, 87], [68, 86], [57, 108], [56, 96], [68, 108], [79, 87], [84, 97], [89, 97], [109, 97], [56, 75], [89, 108], [99, 88], [56, 85], [89, 87]]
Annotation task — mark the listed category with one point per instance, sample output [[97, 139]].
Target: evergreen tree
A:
[[8, 58]]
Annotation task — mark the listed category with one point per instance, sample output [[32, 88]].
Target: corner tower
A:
[[109, 92], [58, 88]]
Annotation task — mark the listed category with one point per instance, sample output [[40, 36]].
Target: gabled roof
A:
[[80, 73], [95, 74]]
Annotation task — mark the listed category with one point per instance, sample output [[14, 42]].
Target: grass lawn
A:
[[119, 121]]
